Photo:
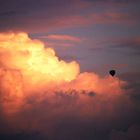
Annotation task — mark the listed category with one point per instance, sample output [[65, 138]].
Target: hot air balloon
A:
[[112, 72]]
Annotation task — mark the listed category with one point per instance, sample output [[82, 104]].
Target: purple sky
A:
[[99, 34], [109, 30]]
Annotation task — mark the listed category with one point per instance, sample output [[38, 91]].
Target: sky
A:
[[55, 57]]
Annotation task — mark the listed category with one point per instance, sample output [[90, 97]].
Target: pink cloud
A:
[[100, 18], [39, 24], [41, 93], [59, 37], [62, 44], [69, 21], [75, 20]]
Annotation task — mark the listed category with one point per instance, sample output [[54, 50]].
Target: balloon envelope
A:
[[112, 72]]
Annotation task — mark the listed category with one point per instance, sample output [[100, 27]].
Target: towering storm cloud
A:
[[38, 91]]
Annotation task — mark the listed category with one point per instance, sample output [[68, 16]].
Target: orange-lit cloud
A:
[[28, 68], [40, 93], [19, 52], [25, 66]]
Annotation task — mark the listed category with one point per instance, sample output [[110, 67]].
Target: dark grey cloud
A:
[[22, 136], [132, 133], [7, 14]]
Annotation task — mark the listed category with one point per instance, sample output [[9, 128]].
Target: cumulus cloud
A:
[[41, 93], [33, 64]]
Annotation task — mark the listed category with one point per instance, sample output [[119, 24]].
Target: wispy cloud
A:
[[98, 18], [45, 15], [133, 44], [60, 37]]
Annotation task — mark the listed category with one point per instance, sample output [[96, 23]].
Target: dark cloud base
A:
[[65, 117]]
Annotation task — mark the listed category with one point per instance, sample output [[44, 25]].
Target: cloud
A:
[[129, 44], [96, 18], [62, 38], [132, 43], [43, 96], [49, 15], [37, 65], [25, 13], [133, 133], [133, 86], [114, 1]]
